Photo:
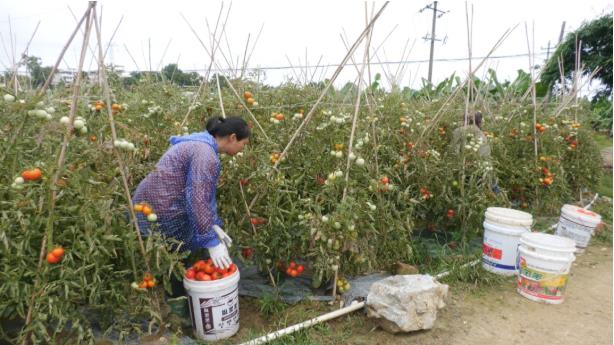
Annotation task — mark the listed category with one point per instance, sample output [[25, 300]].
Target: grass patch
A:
[[603, 141], [605, 184]]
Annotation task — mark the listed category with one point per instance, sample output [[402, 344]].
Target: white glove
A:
[[222, 236], [219, 255]]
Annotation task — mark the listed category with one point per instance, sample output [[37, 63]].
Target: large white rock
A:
[[405, 303]]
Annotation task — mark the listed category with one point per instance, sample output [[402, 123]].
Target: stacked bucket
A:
[[540, 261]]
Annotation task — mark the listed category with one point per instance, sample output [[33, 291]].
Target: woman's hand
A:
[[219, 256]]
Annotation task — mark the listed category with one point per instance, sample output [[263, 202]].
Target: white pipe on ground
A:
[[352, 307], [264, 339]]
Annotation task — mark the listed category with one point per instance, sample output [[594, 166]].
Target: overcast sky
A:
[[296, 29]]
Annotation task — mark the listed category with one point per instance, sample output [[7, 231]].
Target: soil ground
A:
[[476, 315]]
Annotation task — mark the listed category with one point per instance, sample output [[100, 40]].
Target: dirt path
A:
[[500, 316], [606, 156]]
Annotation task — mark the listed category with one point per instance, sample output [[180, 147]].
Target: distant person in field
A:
[[462, 136], [181, 190]]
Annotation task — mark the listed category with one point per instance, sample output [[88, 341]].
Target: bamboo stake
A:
[[122, 166], [249, 214], [330, 83], [230, 84], [205, 81], [48, 236], [219, 93], [244, 57], [323, 93], [533, 95], [132, 57], [470, 77], [55, 67], [453, 95]]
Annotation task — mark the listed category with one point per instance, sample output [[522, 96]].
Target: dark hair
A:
[[222, 127], [478, 119]]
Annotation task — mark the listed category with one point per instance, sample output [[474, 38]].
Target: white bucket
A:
[[502, 230], [544, 262], [577, 224], [214, 306]]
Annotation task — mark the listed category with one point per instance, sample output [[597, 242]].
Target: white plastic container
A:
[[577, 224], [544, 262], [502, 230], [214, 306]]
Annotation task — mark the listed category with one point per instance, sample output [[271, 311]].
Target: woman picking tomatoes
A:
[[181, 190]]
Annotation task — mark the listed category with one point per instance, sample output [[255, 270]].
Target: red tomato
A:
[[294, 273], [292, 264], [451, 213], [190, 273], [32, 174], [384, 180], [247, 252], [244, 182], [58, 252], [233, 268], [289, 271], [147, 277], [199, 265], [52, 259], [216, 276], [220, 270], [300, 269], [207, 268], [227, 274], [202, 276]]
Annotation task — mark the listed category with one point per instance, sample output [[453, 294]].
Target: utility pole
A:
[[561, 34], [433, 39]]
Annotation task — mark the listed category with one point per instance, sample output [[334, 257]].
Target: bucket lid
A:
[[509, 216], [548, 242], [581, 215]]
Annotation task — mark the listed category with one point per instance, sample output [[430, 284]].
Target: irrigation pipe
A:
[[355, 305]]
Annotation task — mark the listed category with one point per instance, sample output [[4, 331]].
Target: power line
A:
[[265, 68], [372, 63]]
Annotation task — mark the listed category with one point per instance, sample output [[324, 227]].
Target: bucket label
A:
[[492, 252], [218, 314], [544, 285], [577, 232]]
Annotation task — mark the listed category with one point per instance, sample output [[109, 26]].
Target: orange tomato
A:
[[147, 210], [247, 95], [116, 106], [98, 107], [279, 117], [58, 252], [150, 284], [52, 259], [384, 180], [143, 285], [250, 101], [93, 138], [138, 207], [32, 174]]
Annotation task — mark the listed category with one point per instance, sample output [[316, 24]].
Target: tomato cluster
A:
[[203, 270], [147, 211], [293, 270], [55, 256], [249, 98], [540, 128]]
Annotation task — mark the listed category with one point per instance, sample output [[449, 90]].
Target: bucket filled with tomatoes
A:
[[213, 298]]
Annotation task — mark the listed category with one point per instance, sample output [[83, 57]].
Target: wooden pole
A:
[[61, 57], [48, 237]]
